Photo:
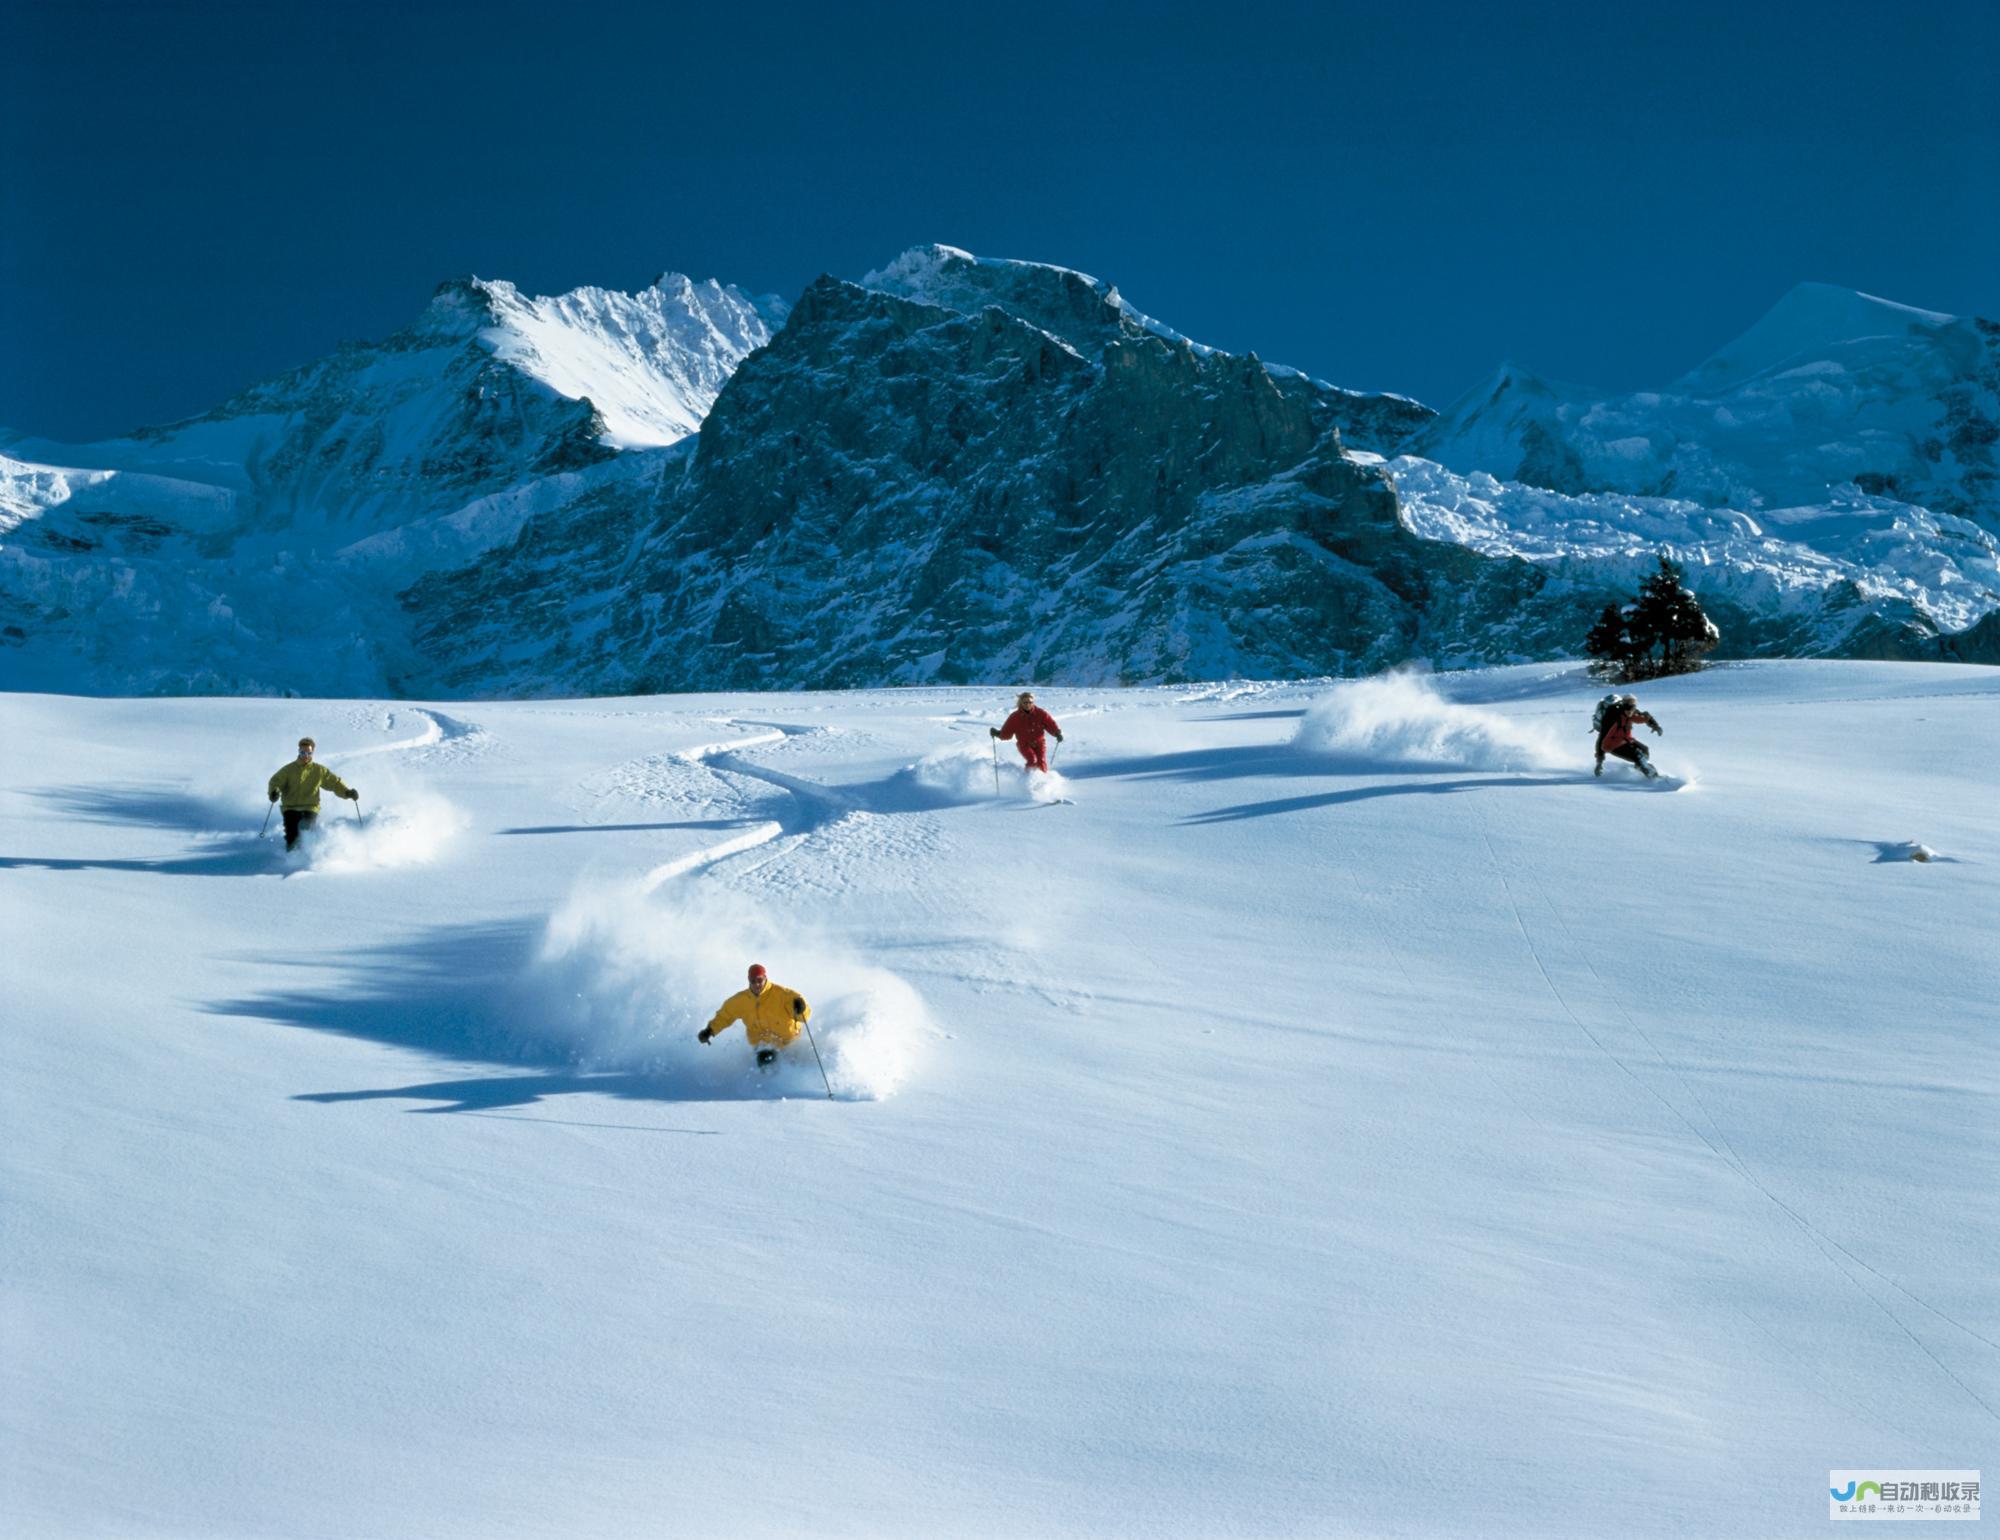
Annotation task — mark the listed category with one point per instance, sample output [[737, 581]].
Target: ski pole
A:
[[267, 821], [819, 1061], [357, 813], [996, 765]]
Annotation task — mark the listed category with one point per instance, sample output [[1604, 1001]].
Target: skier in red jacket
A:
[[1617, 717], [1027, 727]]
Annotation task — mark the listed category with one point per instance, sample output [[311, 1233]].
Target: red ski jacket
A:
[[1618, 731], [1031, 724]]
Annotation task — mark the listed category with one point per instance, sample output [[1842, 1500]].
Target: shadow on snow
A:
[[155, 806], [1244, 810], [468, 993]]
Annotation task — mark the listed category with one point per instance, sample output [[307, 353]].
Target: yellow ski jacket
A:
[[768, 1018], [297, 786]]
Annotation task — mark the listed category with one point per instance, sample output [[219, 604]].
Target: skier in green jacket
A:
[[299, 784]]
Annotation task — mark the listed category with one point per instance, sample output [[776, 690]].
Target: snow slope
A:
[[1345, 1116], [1829, 388]]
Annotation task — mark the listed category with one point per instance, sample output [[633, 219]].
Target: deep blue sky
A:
[[1393, 196]]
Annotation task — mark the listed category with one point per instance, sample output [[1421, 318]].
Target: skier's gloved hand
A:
[[1659, 731], [704, 1034], [1058, 737], [274, 796], [992, 732], [799, 1008]]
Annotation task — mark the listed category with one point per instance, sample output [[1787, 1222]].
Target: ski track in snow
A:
[[722, 757], [442, 736], [840, 829]]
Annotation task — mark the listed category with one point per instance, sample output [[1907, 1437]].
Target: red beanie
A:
[[757, 971]]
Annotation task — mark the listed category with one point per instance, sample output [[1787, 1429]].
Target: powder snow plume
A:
[[968, 774], [956, 775], [624, 979], [409, 827], [1398, 721]]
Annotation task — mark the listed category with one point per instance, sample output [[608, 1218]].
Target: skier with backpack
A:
[[772, 1016], [1614, 722], [1030, 728]]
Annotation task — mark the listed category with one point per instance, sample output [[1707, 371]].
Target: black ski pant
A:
[[1632, 753], [297, 821]]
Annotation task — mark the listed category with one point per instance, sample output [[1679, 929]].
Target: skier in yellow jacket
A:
[[299, 784], [772, 1016]]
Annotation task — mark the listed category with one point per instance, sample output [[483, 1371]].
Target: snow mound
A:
[[1398, 721], [624, 979], [409, 829]]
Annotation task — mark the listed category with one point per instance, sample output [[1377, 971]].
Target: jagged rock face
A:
[[899, 491], [1088, 313], [1830, 389]]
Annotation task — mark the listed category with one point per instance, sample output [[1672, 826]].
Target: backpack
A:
[[1607, 708]]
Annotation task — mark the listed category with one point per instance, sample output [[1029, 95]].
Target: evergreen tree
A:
[[1609, 644], [1665, 632], [1669, 617]]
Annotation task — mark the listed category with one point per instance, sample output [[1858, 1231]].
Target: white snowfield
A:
[[1343, 1116]]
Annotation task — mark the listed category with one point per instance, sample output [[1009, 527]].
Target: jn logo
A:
[[1854, 1494]]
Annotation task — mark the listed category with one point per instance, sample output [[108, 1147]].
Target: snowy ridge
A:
[[485, 389], [1811, 322], [957, 280], [651, 363], [1831, 389], [1774, 562], [1087, 312], [183, 558]]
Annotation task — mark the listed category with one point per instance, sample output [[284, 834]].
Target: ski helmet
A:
[[757, 971]]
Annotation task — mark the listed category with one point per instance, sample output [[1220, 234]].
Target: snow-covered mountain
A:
[[488, 388], [261, 545], [1011, 476], [962, 468], [1831, 390], [965, 469]]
